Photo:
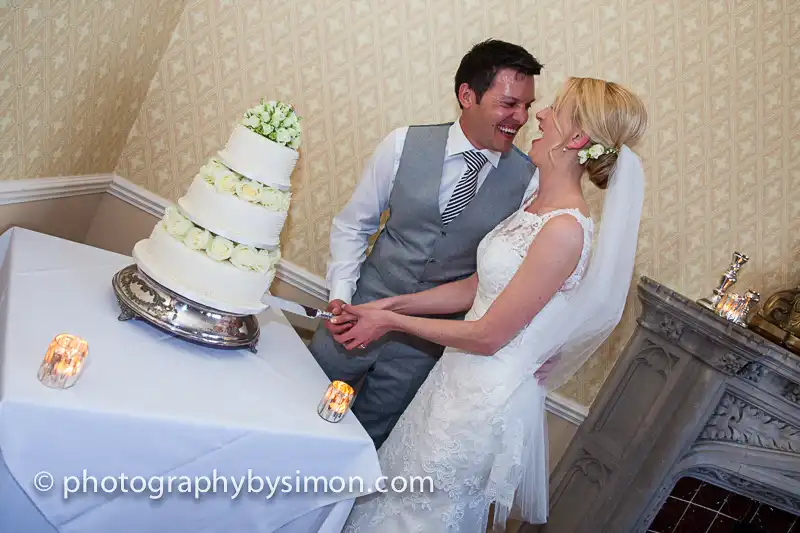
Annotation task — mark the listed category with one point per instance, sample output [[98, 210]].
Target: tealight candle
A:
[[63, 362], [336, 401]]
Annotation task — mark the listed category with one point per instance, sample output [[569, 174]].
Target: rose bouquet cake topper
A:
[[275, 120]]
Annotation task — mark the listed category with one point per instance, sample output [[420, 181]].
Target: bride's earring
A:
[[564, 149]]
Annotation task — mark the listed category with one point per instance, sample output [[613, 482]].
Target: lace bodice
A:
[[503, 249]]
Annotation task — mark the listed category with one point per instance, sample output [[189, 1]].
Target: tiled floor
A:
[[698, 507]]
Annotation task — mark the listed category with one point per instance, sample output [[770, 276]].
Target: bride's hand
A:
[[371, 324]]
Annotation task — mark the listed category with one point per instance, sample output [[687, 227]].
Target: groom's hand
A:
[[344, 321]]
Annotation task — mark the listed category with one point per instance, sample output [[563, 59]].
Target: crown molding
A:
[[28, 190]]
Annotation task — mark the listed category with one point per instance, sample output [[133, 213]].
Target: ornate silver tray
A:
[[140, 297]]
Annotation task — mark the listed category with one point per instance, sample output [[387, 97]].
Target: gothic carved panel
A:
[[671, 329], [736, 420], [728, 362], [656, 358], [638, 392], [792, 393]]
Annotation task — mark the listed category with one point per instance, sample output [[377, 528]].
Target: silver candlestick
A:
[[725, 283]]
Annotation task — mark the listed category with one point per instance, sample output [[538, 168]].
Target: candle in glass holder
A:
[[732, 307], [336, 401], [63, 362]]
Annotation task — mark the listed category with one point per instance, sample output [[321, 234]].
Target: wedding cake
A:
[[220, 245]]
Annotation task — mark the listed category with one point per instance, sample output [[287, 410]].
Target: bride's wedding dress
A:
[[476, 427]]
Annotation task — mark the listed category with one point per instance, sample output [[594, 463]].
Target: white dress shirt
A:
[[360, 218]]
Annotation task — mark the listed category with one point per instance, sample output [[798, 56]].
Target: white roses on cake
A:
[[276, 121], [220, 248], [226, 181], [176, 224], [197, 238], [245, 257], [249, 258], [217, 247], [274, 199], [249, 190]]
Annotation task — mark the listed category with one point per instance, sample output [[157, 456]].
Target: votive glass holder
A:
[[336, 401], [63, 362]]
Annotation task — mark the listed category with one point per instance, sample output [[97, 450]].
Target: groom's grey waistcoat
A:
[[415, 251]]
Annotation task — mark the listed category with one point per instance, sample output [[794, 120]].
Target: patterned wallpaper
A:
[[73, 75], [721, 79]]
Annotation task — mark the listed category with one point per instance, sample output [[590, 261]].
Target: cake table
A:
[[164, 411]]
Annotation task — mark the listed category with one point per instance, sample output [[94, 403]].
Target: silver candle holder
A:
[[725, 282]]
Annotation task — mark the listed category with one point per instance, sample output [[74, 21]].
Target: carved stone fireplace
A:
[[693, 399]]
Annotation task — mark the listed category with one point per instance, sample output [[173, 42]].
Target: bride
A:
[[477, 425]]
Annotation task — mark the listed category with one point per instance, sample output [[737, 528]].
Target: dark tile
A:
[[744, 527], [710, 496], [722, 524], [738, 506], [695, 520], [669, 515], [685, 488], [774, 520]]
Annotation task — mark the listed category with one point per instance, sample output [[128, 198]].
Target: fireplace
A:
[[697, 429], [696, 505]]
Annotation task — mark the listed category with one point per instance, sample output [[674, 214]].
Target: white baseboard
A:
[[17, 191], [30, 190], [137, 196], [567, 409]]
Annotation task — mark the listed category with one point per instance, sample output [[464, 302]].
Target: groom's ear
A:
[[578, 141], [466, 96]]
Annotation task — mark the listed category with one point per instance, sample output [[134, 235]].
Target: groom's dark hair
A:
[[479, 67]]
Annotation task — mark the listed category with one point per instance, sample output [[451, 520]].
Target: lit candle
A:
[[63, 362], [336, 401]]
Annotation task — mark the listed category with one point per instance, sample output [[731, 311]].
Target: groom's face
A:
[[494, 122]]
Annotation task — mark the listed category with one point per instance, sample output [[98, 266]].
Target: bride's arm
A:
[[551, 258], [449, 298]]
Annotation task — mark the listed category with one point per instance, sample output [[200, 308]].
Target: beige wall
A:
[[69, 218], [720, 80], [73, 74]]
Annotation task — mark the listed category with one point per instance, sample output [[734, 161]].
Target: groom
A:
[[445, 186]]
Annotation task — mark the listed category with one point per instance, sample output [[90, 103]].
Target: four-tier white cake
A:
[[220, 245]]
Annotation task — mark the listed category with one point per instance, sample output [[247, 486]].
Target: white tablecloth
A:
[[154, 406]]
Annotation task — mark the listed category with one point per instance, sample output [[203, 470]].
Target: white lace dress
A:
[[478, 422]]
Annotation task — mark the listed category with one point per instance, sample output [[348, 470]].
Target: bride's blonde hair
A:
[[608, 113]]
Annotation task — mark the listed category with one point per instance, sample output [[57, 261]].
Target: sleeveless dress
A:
[[476, 427]]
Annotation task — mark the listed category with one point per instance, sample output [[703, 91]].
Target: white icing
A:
[[194, 275], [258, 158], [230, 216]]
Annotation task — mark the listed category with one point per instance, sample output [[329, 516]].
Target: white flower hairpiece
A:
[[594, 152]]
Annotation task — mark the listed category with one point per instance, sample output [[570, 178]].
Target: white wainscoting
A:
[[29, 190]]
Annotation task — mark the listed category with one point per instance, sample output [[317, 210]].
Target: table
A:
[[152, 405]]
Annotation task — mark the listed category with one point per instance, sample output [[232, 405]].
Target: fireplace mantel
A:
[[693, 395]]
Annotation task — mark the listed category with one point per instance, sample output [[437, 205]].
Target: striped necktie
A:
[[466, 187]]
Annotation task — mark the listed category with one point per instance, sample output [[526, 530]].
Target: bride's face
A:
[[549, 140]]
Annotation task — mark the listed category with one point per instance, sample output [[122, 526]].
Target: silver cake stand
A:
[[140, 297]]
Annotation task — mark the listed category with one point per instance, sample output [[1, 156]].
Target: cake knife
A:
[[296, 308]]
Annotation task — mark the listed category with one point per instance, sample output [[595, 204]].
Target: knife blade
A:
[[296, 308]]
